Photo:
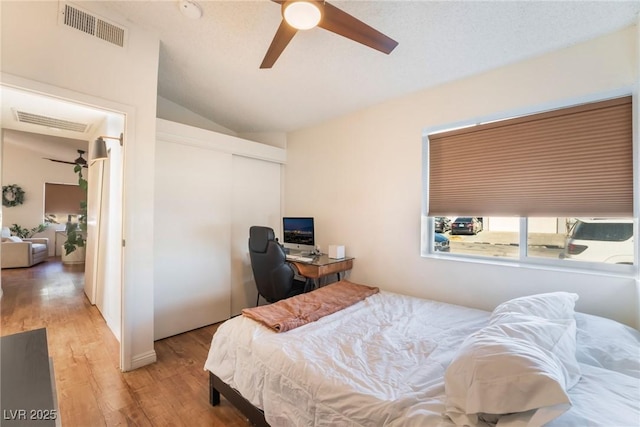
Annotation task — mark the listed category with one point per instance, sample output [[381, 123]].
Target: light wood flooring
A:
[[91, 389]]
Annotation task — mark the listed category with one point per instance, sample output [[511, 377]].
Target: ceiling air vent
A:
[[50, 122], [93, 25]]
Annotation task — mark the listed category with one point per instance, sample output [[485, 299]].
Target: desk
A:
[[28, 387], [322, 266]]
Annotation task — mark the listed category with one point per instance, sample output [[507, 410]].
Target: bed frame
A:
[[217, 387]]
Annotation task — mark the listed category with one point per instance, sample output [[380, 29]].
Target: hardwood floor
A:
[[91, 389]]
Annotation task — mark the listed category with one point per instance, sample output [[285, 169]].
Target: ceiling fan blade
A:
[[340, 22], [282, 38], [64, 161], [60, 161]]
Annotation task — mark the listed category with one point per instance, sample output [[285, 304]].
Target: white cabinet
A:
[[209, 189]]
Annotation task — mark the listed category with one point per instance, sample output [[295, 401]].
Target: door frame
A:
[[128, 112]]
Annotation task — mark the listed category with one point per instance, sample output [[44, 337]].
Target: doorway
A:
[[49, 128]]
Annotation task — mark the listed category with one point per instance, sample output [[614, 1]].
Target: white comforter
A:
[[382, 361]]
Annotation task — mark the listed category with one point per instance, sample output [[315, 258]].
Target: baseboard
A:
[[143, 359]]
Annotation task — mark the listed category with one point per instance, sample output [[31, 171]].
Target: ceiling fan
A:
[[307, 14], [79, 161]]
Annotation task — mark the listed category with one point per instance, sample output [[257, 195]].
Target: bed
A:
[[395, 360]]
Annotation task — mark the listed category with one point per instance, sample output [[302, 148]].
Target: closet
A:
[[209, 189]]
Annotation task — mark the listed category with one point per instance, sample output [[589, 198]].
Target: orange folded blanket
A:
[[299, 310]]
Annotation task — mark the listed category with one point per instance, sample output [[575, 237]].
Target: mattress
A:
[[382, 362]]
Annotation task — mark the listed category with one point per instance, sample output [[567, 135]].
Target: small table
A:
[[61, 237], [27, 383], [322, 266]]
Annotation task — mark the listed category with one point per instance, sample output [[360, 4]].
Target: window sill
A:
[[613, 270]]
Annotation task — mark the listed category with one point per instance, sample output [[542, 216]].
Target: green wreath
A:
[[12, 195]]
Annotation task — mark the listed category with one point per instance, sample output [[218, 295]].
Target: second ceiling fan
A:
[[80, 161], [307, 14]]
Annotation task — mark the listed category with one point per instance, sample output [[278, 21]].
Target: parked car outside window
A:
[[442, 224], [600, 240], [466, 225], [441, 243]]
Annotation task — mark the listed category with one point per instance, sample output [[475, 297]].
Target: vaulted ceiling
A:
[[211, 65]]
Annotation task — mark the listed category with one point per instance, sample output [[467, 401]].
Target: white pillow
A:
[[14, 239], [553, 305], [525, 365], [607, 344]]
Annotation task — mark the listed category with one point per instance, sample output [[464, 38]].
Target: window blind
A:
[[63, 199], [574, 161]]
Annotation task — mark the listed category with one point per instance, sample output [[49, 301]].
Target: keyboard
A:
[[299, 258]]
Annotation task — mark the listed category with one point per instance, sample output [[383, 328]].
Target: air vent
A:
[[109, 32], [88, 23], [50, 122]]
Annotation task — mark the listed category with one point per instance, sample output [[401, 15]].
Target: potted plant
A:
[[74, 246], [25, 233]]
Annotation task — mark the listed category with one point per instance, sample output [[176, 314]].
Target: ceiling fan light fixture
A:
[[302, 14], [80, 161]]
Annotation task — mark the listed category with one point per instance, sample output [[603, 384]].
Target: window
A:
[[553, 187], [546, 237], [62, 200]]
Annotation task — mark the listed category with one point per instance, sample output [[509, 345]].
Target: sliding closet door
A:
[[255, 201], [192, 237]]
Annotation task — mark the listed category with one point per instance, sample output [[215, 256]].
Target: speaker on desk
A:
[[336, 251]]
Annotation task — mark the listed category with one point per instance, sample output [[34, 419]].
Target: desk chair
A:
[[273, 275]]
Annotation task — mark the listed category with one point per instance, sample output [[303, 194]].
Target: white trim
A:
[[179, 133], [547, 264], [143, 359], [531, 109], [636, 165], [17, 82], [635, 98], [523, 240], [50, 91]]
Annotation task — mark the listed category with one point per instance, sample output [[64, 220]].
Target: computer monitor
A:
[[298, 234]]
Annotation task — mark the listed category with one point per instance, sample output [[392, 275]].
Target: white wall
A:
[[30, 171], [169, 110], [34, 47], [275, 139], [360, 177]]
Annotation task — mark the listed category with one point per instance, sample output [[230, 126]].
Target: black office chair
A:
[[274, 276]]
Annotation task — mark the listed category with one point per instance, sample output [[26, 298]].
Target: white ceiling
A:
[[58, 143], [211, 65]]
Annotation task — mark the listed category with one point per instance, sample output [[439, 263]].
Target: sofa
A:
[[17, 252]]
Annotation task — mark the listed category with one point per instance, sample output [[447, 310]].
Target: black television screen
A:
[[298, 231]]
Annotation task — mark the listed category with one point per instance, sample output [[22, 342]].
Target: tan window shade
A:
[[63, 199], [575, 161]]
